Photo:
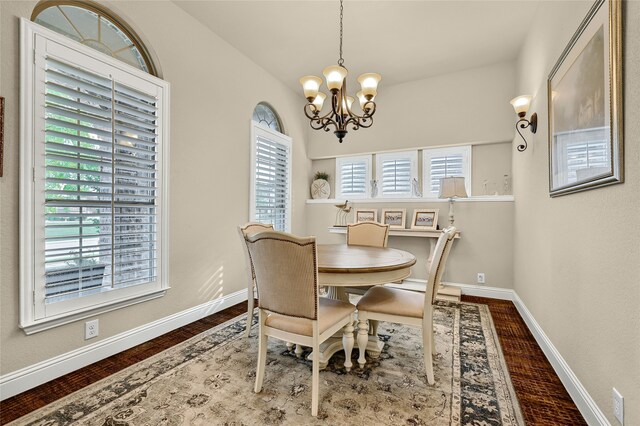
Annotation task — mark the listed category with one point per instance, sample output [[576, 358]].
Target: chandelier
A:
[[341, 115]]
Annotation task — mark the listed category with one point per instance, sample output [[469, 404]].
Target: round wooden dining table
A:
[[341, 265]]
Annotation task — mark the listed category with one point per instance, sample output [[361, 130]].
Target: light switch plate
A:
[[618, 406]]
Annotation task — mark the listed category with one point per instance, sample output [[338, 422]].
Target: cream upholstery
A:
[[401, 306], [245, 230], [330, 311], [286, 275], [392, 301], [370, 234], [441, 267]]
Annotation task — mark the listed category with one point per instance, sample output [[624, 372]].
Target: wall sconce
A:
[[521, 105]]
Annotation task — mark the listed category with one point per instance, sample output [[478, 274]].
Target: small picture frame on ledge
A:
[[366, 215], [425, 219], [395, 218]]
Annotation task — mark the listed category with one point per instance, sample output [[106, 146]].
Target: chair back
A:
[[371, 234], [443, 263], [437, 265], [286, 273], [251, 228]]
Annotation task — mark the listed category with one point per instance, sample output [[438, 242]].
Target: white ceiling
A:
[[401, 40]]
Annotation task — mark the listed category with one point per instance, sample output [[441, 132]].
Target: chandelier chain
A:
[[341, 61]]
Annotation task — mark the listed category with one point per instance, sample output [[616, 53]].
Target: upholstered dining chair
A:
[[289, 309], [250, 228], [370, 234], [406, 307]]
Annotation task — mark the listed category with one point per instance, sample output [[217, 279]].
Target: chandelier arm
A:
[[312, 114]]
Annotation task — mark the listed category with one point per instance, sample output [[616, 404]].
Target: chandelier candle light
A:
[[341, 114]]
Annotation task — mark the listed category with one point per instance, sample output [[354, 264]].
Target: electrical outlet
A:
[[480, 277], [618, 406], [91, 329]]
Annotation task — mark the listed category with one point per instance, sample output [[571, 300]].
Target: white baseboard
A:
[[19, 381], [468, 289], [585, 403]]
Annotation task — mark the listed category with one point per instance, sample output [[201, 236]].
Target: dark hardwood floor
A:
[[543, 399]]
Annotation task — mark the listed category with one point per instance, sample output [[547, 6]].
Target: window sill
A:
[[49, 323], [481, 198]]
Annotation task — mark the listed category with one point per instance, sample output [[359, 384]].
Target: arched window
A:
[[92, 25], [265, 114], [270, 170]]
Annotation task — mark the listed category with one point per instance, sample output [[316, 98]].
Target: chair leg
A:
[[289, 346], [315, 379], [299, 351], [249, 311], [363, 339], [428, 357], [373, 329], [433, 338], [347, 343], [262, 354]]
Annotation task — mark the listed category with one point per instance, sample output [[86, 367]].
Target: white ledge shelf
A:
[[477, 199]]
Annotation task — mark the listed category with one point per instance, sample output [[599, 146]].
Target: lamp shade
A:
[[363, 100], [310, 86], [452, 187], [521, 104], [319, 101], [335, 75], [369, 84]]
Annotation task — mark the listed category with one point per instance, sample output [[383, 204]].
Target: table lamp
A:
[[452, 187]]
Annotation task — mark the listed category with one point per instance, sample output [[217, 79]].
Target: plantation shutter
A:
[[272, 186], [97, 180], [445, 166], [353, 178], [396, 172], [446, 162]]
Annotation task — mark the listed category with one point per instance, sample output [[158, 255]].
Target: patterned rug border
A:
[[119, 375]]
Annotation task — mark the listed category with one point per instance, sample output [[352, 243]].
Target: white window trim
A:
[[352, 159], [427, 154], [28, 226], [256, 129], [399, 155]]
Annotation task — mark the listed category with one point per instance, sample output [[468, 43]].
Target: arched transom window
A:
[[92, 25], [265, 114]]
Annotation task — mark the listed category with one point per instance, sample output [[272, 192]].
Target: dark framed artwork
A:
[[585, 105]]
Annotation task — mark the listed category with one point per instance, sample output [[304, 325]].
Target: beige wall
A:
[[577, 257], [485, 244], [214, 89], [457, 108]]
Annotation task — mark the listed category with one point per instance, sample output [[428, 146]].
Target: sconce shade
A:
[[369, 84], [521, 104], [335, 75], [310, 86], [319, 101], [452, 187]]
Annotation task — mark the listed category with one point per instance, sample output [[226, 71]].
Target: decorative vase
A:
[[320, 189]]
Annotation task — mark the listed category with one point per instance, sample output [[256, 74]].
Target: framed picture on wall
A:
[[395, 218], [425, 219], [585, 105], [366, 215]]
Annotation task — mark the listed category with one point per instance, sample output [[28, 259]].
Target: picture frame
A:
[[365, 215], [585, 105], [425, 219], [395, 218]]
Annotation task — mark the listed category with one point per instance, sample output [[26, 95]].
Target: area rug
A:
[[208, 380]]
